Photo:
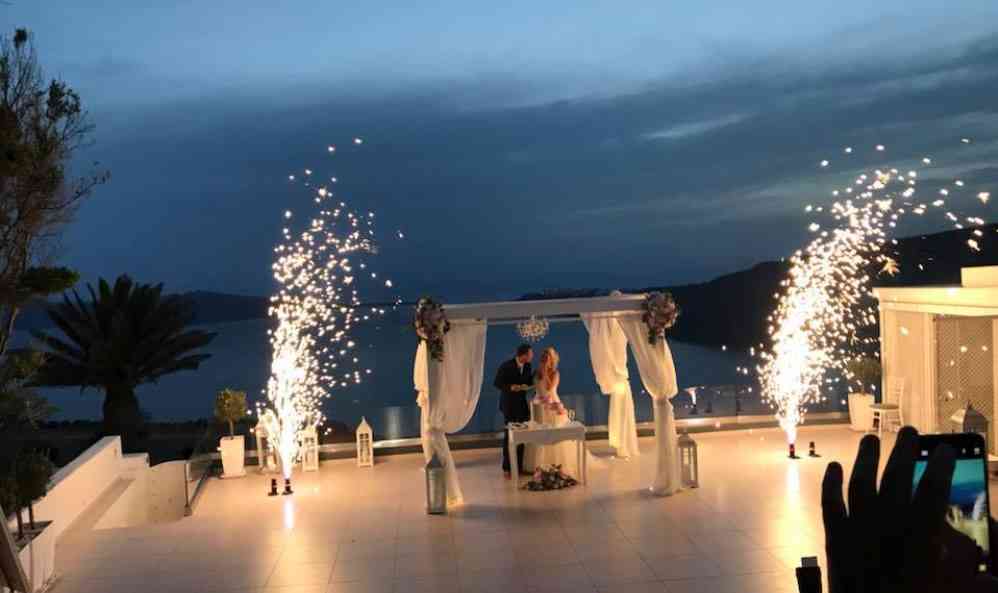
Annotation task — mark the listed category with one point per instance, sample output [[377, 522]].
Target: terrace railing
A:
[[199, 467]]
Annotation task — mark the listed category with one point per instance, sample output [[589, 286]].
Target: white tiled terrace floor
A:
[[349, 529]]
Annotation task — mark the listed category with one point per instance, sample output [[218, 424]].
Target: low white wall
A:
[[129, 506], [79, 483], [38, 559], [166, 491]]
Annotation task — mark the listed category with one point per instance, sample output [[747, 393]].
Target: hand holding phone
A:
[[894, 536], [968, 508]]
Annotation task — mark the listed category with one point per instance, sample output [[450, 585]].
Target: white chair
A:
[[889, 410]]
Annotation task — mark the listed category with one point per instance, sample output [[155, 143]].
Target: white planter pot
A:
[[860, 414], [233, 456], [38, 556]]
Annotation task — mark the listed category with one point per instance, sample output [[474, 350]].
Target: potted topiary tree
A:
[[32, 471], [864, 375], [8, 500], [230, 406], [24, 484]]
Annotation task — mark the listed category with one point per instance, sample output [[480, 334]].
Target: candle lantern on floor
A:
[[689, 469], [365, 444], [310, 449], [266, 455], [970, 420], [436, 487]]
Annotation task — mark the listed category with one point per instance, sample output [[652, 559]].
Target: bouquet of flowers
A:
[[550, 478], [431, 324], [660, 313]]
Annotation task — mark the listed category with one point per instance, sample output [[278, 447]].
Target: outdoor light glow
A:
[[825, 303], [314, 312]]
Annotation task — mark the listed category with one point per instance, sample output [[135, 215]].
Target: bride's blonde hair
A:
[[549, 364]]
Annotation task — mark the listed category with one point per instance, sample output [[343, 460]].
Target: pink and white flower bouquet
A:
[[550, 478], [431, 324], [660, 313]]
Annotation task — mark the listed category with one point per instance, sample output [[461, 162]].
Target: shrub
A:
[[864, 371]]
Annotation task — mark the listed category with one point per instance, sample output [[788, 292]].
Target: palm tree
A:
[[124, 336]]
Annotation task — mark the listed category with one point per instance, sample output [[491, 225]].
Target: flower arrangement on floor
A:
[[550, 478], [431, 324], [660, 313]]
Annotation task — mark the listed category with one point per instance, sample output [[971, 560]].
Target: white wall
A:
[[78, 484], [166, 491], [136, 493], [128, 507]]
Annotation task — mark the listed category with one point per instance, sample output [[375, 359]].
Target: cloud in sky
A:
[[522, 147], [694, 128]]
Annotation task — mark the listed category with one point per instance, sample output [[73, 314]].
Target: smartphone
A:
[[969, 503]]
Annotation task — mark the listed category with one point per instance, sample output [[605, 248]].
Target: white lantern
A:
[[265, 453], [689, 470], [310, 449], [365, 444]]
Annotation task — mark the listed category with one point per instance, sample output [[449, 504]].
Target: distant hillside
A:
[[209, 307], [732, 309], [728, 310]]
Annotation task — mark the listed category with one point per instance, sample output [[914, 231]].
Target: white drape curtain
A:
[[658, 375], [608, 353], [448, 393], [908, 357]]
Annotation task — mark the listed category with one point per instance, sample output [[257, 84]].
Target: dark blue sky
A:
[[522, 146]]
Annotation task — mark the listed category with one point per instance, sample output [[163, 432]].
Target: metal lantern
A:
[[970, 420], [365, 444], [689, 470], [436, 487], [310, 449]]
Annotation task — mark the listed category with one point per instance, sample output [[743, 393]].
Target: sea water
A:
[[240, 359]]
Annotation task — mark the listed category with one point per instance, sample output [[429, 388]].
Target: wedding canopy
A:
[[449, 389], [938, 349]]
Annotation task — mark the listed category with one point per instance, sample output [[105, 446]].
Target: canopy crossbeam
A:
[[554, 310]]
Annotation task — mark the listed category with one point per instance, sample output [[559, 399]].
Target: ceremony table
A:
[[533, 433]]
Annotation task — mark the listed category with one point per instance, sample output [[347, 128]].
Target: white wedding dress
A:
[[564, 453]]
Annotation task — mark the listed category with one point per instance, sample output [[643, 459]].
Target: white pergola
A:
[[938, 348], [554, 310], [613, 322]]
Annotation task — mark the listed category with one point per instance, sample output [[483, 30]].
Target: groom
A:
[[513, 379]]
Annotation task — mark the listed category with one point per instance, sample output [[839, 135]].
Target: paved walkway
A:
[[350, 529]]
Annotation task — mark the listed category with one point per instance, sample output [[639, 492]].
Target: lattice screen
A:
[[965, 350]]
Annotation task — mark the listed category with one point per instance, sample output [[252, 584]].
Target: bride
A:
[[552, 413]]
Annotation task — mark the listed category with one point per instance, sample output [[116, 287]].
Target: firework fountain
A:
[[317, 305], [825, 306]]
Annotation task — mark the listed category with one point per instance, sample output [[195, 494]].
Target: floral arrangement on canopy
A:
[[660, 313], [431, 324], [550, 478]]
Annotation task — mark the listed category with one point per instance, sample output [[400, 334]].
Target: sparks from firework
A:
[[825, 303], [314, 312]]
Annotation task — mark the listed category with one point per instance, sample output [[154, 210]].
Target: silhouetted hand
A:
[[889, 540]]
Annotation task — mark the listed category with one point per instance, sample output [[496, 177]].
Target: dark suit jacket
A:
[[513, 404]]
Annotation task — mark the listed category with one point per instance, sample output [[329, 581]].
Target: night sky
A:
[[518, 145]]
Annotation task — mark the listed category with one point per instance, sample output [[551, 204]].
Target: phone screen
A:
[[968, 509]]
